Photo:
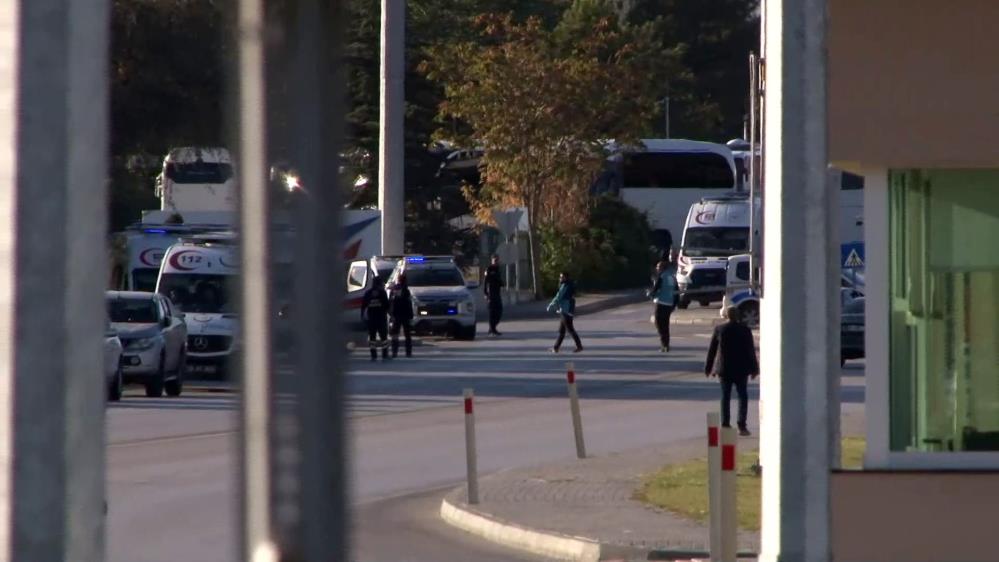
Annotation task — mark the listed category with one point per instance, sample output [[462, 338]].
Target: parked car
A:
[[112, 362], [852, 330], [154, 337]]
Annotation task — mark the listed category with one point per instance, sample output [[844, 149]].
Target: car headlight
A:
[[141, 344]]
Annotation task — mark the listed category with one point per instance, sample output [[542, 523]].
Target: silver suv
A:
[[441, 298]]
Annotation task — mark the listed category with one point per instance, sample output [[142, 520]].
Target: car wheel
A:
[[683, 303], [465, 333], [116, 386], [154, 386], [750, 313], [175, 385], [704, 303]]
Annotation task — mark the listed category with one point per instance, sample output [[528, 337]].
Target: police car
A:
[[441, 298]]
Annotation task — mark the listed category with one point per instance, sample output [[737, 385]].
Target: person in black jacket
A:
[[374, 311], [492, 285], [732, 358], [401, 307]]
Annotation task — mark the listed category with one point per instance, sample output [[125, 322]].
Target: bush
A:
[[614, 251]]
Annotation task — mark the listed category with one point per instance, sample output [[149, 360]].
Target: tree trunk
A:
[[532, 242]]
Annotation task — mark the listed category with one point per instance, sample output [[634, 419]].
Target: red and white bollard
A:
[[729, 517], [714, 484], [577, 419], [470, 456]]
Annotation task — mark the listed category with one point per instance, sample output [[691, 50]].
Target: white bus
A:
[[664, 177], [197, 179]]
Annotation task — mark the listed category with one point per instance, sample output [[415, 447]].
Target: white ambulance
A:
[[716, 229], [198, 274]]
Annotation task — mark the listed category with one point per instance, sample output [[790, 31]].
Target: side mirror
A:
[[165, 322]]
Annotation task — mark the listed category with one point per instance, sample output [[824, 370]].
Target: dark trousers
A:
[[495, 313], [663, 312], [378, 335], [742, 389], [407, 329], [565, 325]]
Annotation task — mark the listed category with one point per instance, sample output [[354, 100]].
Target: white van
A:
[[197, 275], [716, 229]]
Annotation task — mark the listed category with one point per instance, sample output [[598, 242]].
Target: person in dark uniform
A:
[[374, 311], [401, 308], [492, 286], [732, 358]]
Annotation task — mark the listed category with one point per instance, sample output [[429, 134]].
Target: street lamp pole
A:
[[391, 130]]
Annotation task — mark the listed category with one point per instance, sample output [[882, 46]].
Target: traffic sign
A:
[[852, 255], [508, 220]]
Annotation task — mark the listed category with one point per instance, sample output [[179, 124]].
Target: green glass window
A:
[[944, 325]]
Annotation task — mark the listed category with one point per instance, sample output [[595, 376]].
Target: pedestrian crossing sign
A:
[[853, 260]]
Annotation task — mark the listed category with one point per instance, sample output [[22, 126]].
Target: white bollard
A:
[[714, 485], [577, 419], [470, 457], [729, 516]]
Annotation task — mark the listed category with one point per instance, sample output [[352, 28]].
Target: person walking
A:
[[401, 308], [663, 294], [492, 286], [374, 312], [732, 358], [564, 305]]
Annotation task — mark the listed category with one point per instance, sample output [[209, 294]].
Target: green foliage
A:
[[613, 252]]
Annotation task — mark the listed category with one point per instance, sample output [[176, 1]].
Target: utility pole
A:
[[54, 95], [795, 339], [391, 130]]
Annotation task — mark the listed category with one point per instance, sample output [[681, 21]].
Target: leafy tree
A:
[[715, 38], [543, 102]]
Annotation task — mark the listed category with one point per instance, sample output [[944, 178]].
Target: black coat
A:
[[493, 282], [375, 304], [401, 305], [732, 353]]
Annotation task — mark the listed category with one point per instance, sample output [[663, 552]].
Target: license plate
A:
[[202, 368]]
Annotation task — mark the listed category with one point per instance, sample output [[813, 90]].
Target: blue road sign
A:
[[852, 255]]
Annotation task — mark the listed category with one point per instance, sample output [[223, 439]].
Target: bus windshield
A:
[[198, 292], [198, 172], [716, 241], [676, 170]]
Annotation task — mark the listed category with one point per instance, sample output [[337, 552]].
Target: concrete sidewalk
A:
[[585, 509]]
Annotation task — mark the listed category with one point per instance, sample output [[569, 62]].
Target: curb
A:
[[549, 545], [556, 546]]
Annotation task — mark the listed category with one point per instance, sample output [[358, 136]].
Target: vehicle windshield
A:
[[434, 278], [676, 170], [144, 279], [715, 241], [197, 292], [384, 273], [133, 311], [198, 172]]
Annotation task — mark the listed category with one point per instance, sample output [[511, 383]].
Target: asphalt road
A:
[[171, 462]]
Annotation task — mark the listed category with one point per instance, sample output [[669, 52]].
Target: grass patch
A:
[[683, 488]]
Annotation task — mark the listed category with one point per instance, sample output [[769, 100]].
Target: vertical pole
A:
[[729, 508], [391, 130], [753, 219], [471, 461], [714, 484], [577, 418], [53, 270], [256, 310], [795, 338]]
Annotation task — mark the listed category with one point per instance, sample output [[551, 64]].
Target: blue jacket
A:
[[664, 289], [565, 299]]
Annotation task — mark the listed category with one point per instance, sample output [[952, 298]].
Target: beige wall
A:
[[914, 83], [915, 516]]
